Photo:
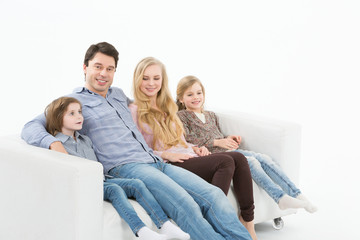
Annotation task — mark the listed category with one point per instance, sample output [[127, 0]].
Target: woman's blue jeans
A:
[[268, 175], [118, 190], [199, 208]]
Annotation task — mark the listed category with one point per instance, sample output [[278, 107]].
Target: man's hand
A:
[[201, 151], [57, 146], [175, 157]]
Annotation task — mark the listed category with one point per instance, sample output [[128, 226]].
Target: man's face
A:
[[100, 73]]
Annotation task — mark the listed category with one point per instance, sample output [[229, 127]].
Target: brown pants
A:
[[219, 169]]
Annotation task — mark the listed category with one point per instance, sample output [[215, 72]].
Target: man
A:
[[197, 207]]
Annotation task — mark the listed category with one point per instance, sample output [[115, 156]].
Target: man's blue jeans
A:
[[117, 191], [268, 175], [199, 208]]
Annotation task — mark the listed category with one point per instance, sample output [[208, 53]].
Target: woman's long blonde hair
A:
[[164, 122]]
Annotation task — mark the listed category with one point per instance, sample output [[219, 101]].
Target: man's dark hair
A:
[[103, 47]]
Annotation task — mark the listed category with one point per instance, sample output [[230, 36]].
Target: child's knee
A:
[[111, 190], [253, 162]]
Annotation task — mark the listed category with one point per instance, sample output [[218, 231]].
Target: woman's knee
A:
[[239, 158], [226, 161], [241, 162]]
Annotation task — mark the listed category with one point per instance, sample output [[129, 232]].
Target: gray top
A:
[[82, 147]]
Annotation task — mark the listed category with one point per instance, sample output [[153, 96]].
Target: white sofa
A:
[[46, 195]]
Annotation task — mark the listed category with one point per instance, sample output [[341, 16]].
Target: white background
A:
[[291, 60]]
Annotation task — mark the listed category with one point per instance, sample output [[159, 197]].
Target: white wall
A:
[[293, 60]]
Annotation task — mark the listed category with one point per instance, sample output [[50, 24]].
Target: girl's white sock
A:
[[302, 197], [311, 208], [172, 231], [146, 233], [289, 202]]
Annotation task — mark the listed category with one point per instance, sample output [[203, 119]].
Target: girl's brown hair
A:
[[183, 85], [55, 112], [165, 124]]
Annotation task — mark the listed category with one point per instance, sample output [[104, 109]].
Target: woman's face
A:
[[152, 81]]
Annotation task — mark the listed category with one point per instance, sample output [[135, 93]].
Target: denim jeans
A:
[[117, 191], [199, 208], [268, 175]]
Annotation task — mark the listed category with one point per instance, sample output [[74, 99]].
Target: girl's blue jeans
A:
[[268, 175]]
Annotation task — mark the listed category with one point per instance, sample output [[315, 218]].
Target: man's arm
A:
[[34, 133]]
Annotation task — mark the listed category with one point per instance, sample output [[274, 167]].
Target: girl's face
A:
[[152, 81], [73, 119], [193, 98]]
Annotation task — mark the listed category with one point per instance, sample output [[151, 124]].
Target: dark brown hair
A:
[[54, 113], [103, 47]]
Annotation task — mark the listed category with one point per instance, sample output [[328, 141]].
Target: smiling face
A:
[[151, 82], [72, 120], [193, 98], [99, 73]]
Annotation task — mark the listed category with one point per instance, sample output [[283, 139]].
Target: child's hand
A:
[[176, 157], [201, 151], [58, 146], [227, 143], [235, 138]]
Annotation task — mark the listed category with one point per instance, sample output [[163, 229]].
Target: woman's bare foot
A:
[[250, 226]]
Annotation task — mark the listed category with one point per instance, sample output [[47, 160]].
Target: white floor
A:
[[332, 183]]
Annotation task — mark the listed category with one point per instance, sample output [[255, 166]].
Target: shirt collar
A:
[[84, 89], [63, 138]]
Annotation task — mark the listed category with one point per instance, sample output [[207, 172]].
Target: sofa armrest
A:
[[279, 139], [47, 194]]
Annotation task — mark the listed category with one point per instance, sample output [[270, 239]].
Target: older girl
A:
[[202, 128], [154, 112]]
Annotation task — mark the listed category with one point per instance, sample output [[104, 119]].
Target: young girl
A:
[[202, 128], [63, 120], [154, 112]]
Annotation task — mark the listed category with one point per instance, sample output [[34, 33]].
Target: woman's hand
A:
[[175, 157], [227, 143], [201, 151]]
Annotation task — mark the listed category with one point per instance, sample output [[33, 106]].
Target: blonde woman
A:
[[154, 112]]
